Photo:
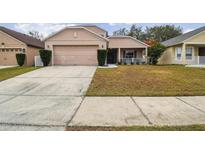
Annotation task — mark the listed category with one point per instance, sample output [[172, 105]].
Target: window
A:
[[178, 53], [189, 53], [129, 54]]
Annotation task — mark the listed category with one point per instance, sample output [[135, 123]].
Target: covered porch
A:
[[127, 56], [193, 53], [126, 50]]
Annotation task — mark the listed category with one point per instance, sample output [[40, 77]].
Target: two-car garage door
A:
[[75, 55]]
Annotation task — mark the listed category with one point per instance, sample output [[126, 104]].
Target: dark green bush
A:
[[45, 56], [20, 58], [101, 56], [155, 52]]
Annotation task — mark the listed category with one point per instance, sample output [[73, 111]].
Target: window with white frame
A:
[[129, 54], [178, 53], [189, 51]]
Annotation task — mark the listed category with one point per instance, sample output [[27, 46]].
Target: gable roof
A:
[[30, 41], [179, 39], [93, 26], [75, 27], [122, 36]]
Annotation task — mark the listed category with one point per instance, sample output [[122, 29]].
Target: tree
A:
[[163, 33], [35, 34], [136, 32], [122, 31], [154, 52], [158, 33]]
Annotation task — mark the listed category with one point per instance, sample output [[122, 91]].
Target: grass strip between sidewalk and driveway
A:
[[148, 80], [7, 73], [138, 128]]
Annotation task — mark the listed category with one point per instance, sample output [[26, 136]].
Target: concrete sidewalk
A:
[[130, 111]]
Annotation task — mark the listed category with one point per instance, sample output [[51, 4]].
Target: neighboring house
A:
[[79, 45], [188, 48], [12, 42]]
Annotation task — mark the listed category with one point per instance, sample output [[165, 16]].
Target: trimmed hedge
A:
[[20, 58], [45, 56], [102, 53]]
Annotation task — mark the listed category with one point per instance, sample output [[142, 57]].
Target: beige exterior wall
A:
[[31, 52], [74, 37], [124, 43], [8, 56], [200, 38], [9, 41], [96, 30], [169, 55]]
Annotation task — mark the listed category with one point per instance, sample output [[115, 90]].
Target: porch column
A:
[[183, 53], [119, 55], [146, 54], [197, 54]]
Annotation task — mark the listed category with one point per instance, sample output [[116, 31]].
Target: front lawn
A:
[[139, 128], [147, 80], [7, 73]]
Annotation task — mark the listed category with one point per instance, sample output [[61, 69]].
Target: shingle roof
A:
[[31, 41], [179, 39], [124, 36]]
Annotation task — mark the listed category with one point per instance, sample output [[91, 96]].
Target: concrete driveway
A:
[[45, 99]]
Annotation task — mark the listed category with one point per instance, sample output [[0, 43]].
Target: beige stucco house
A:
[[188, 48], [79, 45], [12, 42]]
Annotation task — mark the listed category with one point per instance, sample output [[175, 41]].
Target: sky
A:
[[48, 28]]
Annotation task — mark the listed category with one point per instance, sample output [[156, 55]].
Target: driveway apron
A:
[[46, 97]]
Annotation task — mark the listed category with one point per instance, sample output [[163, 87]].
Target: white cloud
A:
[[44, 28], [187, 30]]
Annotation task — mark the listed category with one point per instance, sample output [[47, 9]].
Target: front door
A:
[[112, 56]]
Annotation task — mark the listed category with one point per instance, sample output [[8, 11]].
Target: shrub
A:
[[45, 56], [155, 52], [20, 58], [101, 56]]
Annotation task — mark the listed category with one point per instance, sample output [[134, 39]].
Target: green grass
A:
[[139, 128], [147, 80], [7, 73]]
